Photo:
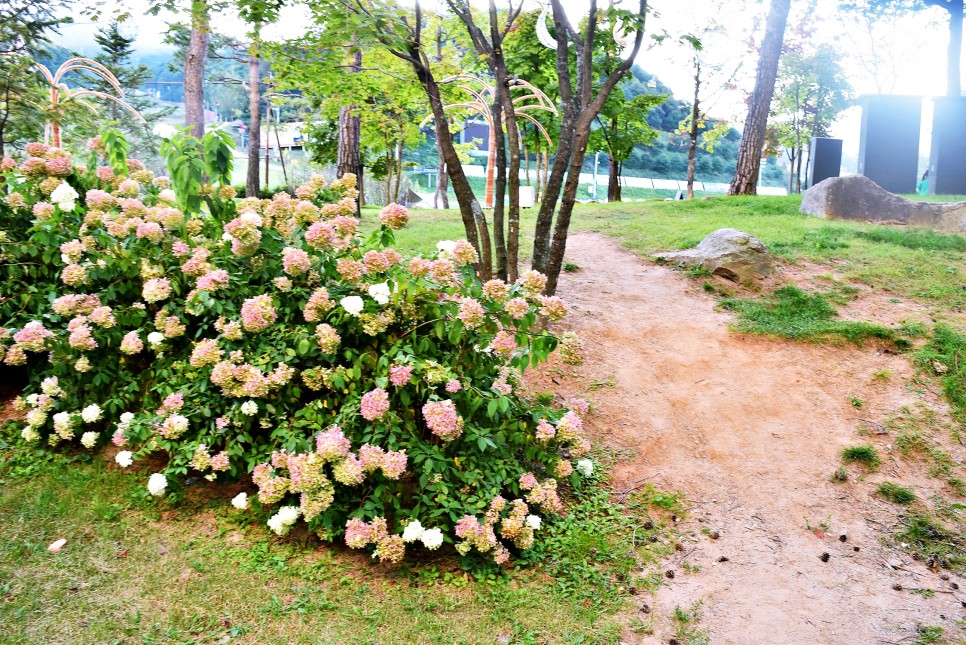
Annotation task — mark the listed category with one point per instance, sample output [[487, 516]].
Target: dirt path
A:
[[750, 431]]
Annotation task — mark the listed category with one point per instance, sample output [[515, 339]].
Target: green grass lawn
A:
[[195, 570]]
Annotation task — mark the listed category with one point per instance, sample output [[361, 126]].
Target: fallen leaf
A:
[[122, 554]]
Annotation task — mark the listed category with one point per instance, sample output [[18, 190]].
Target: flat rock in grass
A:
[[859, 198], [727, 252]]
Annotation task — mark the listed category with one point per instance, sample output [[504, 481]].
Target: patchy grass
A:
[[945, 356], [932, 541], [912, 263], [135, 569], [864, 455], [895, 493], [792, 313]]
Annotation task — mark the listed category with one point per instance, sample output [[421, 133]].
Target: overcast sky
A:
[[915, 47]]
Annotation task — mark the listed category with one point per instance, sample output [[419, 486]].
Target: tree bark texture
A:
[[254, 123], [474, 222], [194, 68], [693, 134], [497, 164], [745, 181], [349, 157]]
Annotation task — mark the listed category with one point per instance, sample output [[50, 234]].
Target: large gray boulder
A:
[[727, 252], [859, 198]]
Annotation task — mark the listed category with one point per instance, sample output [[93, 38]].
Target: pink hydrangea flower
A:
[[258, 313], [156, 290], [332, 444], [131, 343], [399, 375], [375, 404], [517, 308], [471, 313], [443, 420], [295, 262], [453, 386], [395, 216]]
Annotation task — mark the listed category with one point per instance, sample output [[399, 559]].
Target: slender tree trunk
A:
[[526, 162], [538, 189], [695, 111], [194, 67], [798, 170], [474, 222], [496, 186], [254, 122], [349, 156], [559, 245], [745, 181], [613, 179]]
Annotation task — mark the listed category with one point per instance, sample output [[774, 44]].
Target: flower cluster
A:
[[269, 320]]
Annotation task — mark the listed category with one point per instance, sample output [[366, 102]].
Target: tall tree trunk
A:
[[613, 179], [254, 122], [349, 156], [693, 134], [559, 246], [745, 181], [798, 170], [474, 221], [496, 186], [194, 67]]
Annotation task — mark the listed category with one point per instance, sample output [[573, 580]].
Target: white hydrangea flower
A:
[[82, 365], [64, 196], [283, 520], [445, 248], [275, 523], [413, 531], [124, 458], [289, 514], [352, 304], [380, 292], [226, 237], [178, 424], [32, 399], [249, 408], [240, 501], [534, 521], [127, 417], [432, 539], [91, 413], [156, 484], [88, 439], [63, 421], [29, 434], [155, 338], [586, 467], [167, 195]]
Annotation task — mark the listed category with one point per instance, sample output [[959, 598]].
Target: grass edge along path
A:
[[197, 571]]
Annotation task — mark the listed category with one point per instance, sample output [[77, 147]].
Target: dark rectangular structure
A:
[[947, 157], [825, 159], [889, 141]]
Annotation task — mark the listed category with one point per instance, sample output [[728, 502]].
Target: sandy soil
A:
[[750, 430]]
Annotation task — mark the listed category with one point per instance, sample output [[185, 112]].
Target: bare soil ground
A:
[[750, 430]]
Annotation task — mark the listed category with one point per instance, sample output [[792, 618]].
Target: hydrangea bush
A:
[[374, 397]]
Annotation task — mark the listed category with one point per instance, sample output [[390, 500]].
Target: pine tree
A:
[[116, 54]]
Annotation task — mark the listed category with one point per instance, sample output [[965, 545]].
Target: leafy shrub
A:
[[373, 397]]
